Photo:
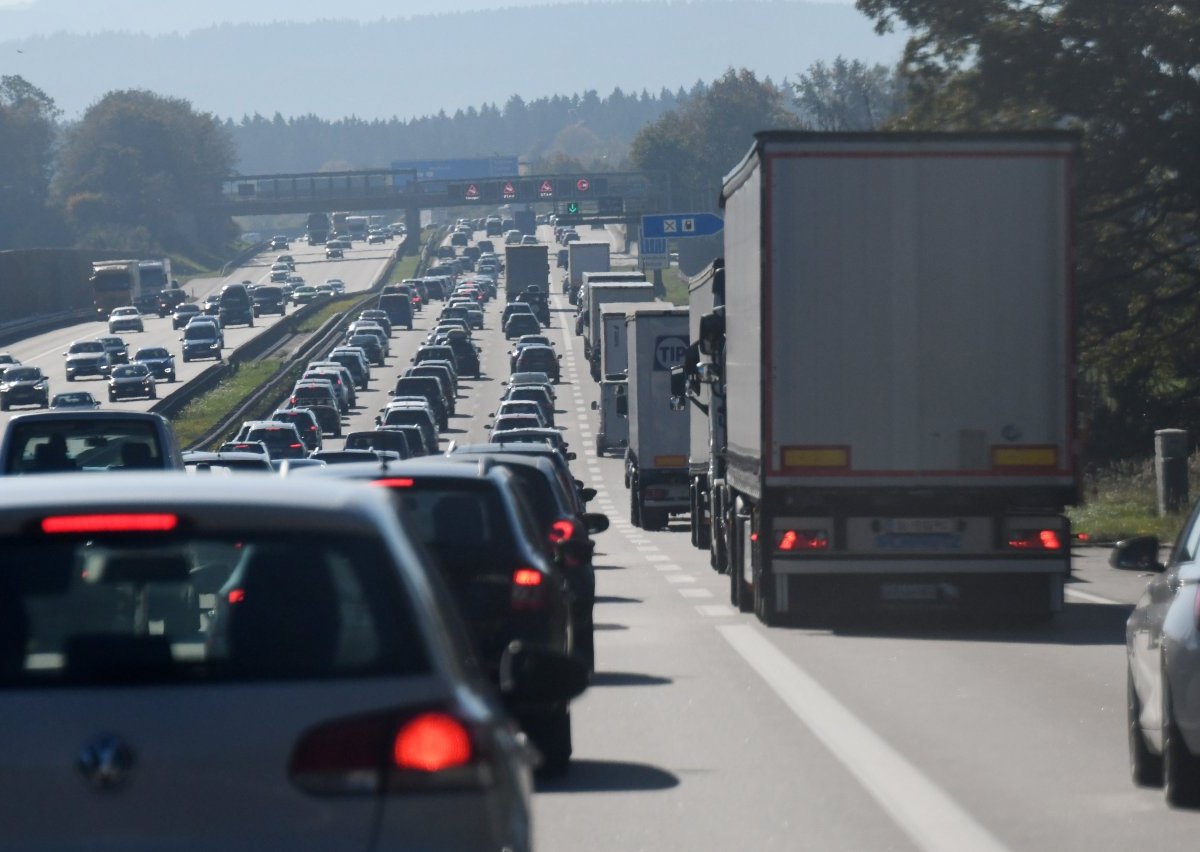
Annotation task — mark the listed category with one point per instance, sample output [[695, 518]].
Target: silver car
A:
[[199, 662], [1162, 641]]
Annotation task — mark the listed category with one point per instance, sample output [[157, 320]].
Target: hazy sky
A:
[[25, 18]]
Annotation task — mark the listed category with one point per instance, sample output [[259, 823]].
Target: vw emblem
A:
[[106, 763]]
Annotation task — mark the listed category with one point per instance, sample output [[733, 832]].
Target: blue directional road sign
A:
[[674, 225]]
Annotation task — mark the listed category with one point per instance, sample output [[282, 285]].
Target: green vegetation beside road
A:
[[314, 321], [676, 285], [1120, 502], [204, 412]]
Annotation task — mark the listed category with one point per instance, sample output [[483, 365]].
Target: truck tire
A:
[[601, 447], [1181, 768], [1145, 768], [740, 593], [635, 503]]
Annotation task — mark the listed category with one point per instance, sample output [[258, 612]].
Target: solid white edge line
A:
[[1090, 598], [925, 812]]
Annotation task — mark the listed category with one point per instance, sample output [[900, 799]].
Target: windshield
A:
[[61, 445], [200, 331], [151, 354], [86, 348], [22, 374]]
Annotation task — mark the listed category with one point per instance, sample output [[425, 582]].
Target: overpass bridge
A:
[[605, 193]]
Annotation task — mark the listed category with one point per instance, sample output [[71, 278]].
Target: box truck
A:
[[599, 294], [584, 257], [526, 266], [656, 460], [896, 342], [612, 432]]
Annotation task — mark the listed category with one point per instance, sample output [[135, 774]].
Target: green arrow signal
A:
[[573, 207]]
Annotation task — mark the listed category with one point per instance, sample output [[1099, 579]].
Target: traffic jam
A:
[[363, 618]]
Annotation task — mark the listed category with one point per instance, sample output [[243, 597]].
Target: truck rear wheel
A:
[[635, 503], [655, 519]]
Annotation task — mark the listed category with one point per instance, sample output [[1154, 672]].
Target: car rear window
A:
[[462, 522], [273, 436], [55, 446], [151, 608]]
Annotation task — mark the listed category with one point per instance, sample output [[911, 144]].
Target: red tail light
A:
[[296, 446], [432, 742], [1035, 540], [389, 752], [527, 589], [110, 523], [394, 482], [561, 530], [792, 540]]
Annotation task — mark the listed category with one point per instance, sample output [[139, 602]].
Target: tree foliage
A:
[[27, 133], [848, 95], [697, 144], [1127, 76], [136, 162]]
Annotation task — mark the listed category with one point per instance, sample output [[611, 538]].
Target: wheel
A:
[[762, 593], [601, 447], [1181, 768], [585, 646], [45, 403], [153, 394], [185, 360], [1145, 768], [635, 504], [4, 405], [410, 326], [70, 378], [551, 733]]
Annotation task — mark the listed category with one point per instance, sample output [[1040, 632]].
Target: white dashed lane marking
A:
[[714, 610], [696, 593]]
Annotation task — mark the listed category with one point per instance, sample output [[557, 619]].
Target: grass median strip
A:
[[204, 412]]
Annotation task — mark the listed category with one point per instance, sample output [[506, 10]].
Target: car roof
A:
[[266, 504]]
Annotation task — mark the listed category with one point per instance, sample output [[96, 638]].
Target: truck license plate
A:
[[908, 526], [915, 592]]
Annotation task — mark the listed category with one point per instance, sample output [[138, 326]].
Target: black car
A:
[[428, 388], [116, 349], [551, 497], [420, 416], [371, 344], [201, 340], [501, 572], [131, 380], [306, 424], [377, 316], [160, 361], [390, 440], [183, 314], [169, 299], [466, 355], [23, 385], [521, 323], [269, 299], [538, 359], [212, 304], [236, 306], [398, 308]]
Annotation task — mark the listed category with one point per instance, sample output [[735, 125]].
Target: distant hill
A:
[[423, 65]]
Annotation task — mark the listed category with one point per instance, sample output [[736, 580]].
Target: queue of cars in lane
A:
[[427, 636]]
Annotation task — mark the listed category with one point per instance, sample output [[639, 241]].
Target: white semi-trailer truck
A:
[[896, 355], [656, 460], [600, 293], [612, 432], [584, 257]]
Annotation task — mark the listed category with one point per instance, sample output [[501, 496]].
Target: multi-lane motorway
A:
[[704, 730]]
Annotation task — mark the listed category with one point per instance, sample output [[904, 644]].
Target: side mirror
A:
[[1137, 554], [678, 403], [588, 494], [595, 522], [560, 357], [487, 425], [712, 331], [570, 457], [491, 414], [533, 675], [595, 405]]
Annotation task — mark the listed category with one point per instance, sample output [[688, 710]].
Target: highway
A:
[[359, 269], [704, 730]]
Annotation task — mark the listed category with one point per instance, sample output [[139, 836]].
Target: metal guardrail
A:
[[319, 342], [10, 332]]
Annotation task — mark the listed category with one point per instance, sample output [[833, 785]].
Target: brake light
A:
[[527, 591], [792, 540], [296, 446], [110, 523], [236, 596], [394, 482], [527, 577], [561, 530], [432, 742], [1035, 540], [387, 752]]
